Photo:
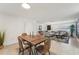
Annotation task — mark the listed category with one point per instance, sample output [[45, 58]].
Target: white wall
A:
[[31, 26], [14, 26]]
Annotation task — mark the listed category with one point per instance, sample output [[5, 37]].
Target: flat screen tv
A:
[[48, 27]]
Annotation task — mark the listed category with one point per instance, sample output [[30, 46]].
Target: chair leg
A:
[[30, 51], [36, 52], [49, 52], [19, 51], [22, 51]]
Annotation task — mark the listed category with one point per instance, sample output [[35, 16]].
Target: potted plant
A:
[[2, 37], [72, 29]]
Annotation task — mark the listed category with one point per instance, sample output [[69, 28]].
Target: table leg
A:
[[34, 52]]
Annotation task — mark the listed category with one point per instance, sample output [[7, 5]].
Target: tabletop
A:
[[34, 40]]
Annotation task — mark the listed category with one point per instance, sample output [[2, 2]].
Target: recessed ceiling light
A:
[[26, 6]]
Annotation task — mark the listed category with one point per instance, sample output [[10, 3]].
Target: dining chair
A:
[[43, 49], [24, 41], [24, 34], [23, 47], [41, 33]]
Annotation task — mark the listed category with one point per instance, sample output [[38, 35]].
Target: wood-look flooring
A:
[[57, 48]]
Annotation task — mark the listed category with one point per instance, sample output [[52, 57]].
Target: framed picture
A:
[[48, 27], [40, 28]]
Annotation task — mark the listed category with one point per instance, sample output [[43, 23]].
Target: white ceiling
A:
[[42, 11]]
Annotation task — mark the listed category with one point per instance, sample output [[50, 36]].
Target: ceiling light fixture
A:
[[26, 6]]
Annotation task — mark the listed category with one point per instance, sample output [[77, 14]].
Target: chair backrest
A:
[[24, 34], [41, 33], [20, 42], [47, 44]]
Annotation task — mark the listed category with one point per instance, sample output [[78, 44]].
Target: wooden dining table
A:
[[33, 40]]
